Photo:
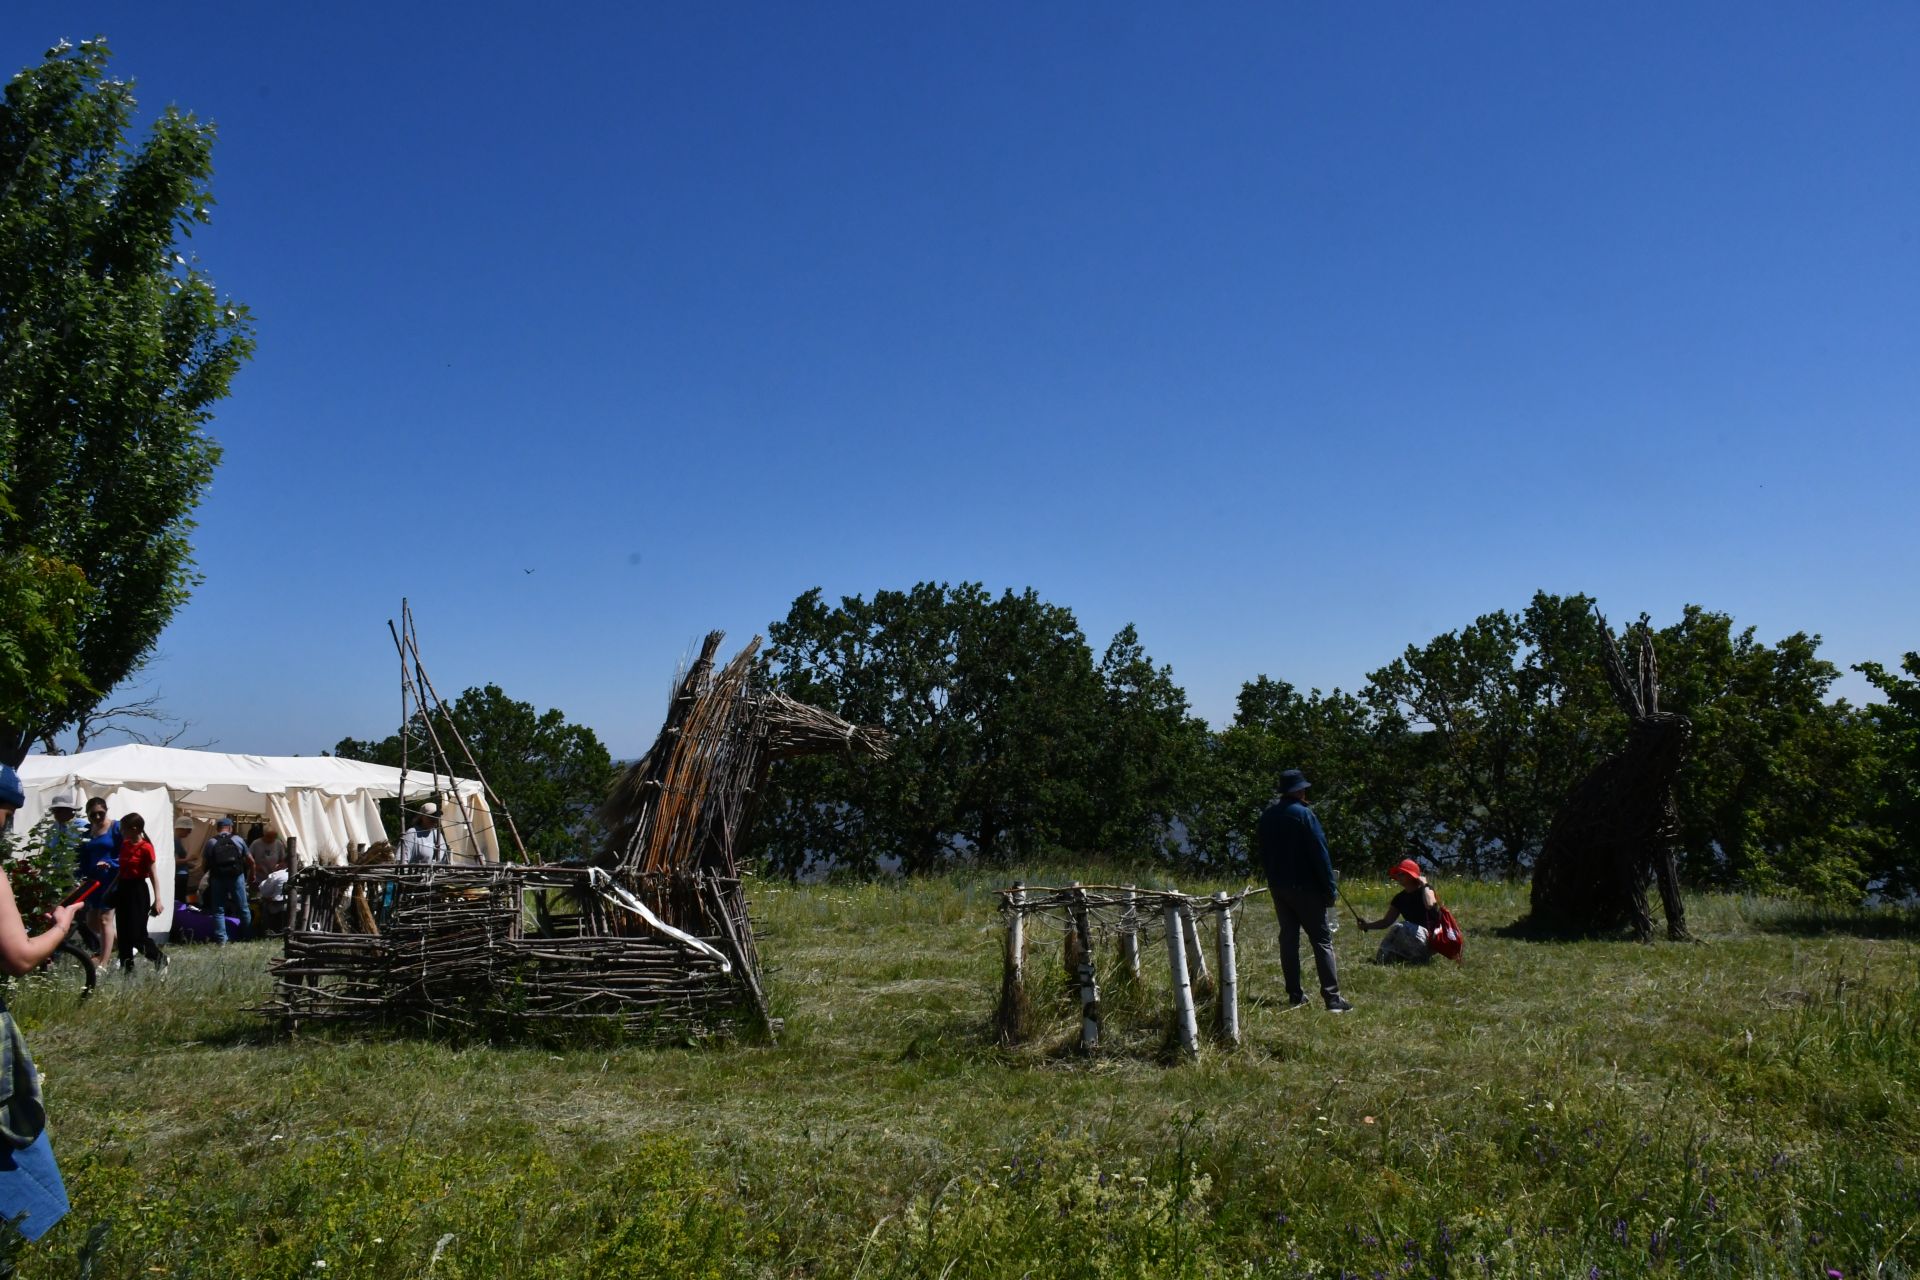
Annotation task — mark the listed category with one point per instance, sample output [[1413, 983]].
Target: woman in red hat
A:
[[1417, 911]]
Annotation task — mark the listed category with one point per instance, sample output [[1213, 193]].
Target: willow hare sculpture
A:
[[1616, 831]]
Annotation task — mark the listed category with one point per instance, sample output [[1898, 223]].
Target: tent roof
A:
[[184, 771]]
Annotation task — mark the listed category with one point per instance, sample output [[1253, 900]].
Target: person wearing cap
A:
[[228, 863], [1411, 917], [424, 844], [64, 835], [31, 1193], [1299, 870]]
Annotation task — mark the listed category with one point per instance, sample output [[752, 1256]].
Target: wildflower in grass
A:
[[1619, 1230], [1593, 1273]]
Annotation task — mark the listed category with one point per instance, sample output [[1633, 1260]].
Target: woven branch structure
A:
[[1616, 831], [654, 940]]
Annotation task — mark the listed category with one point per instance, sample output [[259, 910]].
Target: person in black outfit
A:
[[1293, 853], [1417, 910]]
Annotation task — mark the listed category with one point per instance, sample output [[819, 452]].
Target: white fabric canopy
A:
[[329, 804]]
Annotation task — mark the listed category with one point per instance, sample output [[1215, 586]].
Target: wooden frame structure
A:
[[1126, 914], [653, 939]]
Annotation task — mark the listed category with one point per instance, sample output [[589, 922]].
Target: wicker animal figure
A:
[[1616, 831]]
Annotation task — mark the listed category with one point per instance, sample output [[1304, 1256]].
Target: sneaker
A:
[[1297, 1002], [1337, 1005], [164, 963]]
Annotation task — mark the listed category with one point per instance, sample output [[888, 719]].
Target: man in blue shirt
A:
[[1293, 853]]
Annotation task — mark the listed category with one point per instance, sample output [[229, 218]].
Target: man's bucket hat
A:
[[1293, 780], [62, 801]]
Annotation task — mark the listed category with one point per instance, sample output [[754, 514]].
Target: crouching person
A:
[[1410, 920]]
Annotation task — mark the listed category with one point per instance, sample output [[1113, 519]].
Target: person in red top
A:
[[137, 895], [1417, 913]]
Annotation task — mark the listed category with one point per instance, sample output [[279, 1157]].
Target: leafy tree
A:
[[1777, 793], [114, 348], [1349, 752], [1497, 721], [1897, 724], [1149, 755], [549, 774], [1007, 740]]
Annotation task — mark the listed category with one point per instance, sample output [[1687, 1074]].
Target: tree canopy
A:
[[1008, 738], [550, 774], [114, 349], [1011, 742]]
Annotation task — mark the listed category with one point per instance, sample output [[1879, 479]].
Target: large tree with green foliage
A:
[[114, 348], [1007, 738], [551, 775], [1350, 753], [1777, 792], [1896, 722], [1494, 724]]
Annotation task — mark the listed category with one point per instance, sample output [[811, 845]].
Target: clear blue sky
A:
[[1291, 333]]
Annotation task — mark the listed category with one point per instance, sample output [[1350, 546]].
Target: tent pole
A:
[[454, 728]]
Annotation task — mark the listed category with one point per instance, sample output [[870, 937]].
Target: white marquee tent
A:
[[327, 804]]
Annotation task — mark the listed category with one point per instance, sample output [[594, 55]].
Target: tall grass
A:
[[1746, 1106]]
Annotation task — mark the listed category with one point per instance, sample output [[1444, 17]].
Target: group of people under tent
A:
[[229, 880], [117, 892], [1299, 871]]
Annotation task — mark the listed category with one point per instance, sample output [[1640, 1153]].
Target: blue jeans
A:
[[219, 889]]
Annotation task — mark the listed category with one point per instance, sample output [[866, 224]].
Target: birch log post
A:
[[1012, 1018], [1186, 1026], [1229, 1005], [1196, 957], [1130, 937], [1089, 986]]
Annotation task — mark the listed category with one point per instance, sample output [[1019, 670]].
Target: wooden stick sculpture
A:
[[655, 941], [1616, 831]]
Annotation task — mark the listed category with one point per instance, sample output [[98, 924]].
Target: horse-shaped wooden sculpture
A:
[[1616, 831]]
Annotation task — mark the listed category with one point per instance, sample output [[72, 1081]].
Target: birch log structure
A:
[[655, 939], [1196, 957], [1089, 985], [1082, 913], [1228, 1019], [1185, 1025], [1013, 1018], [1130, 937]]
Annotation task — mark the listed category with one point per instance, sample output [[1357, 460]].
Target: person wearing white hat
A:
[[424, 844], [65, 835]]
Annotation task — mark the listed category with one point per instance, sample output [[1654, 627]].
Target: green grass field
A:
[[1743, 1107]]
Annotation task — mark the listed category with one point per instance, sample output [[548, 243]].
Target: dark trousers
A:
[[1305, 909], [132, 908]]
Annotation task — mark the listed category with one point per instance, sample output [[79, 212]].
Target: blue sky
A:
[[1290, 333]]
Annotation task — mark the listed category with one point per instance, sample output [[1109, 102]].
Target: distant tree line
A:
[[1014, 739]]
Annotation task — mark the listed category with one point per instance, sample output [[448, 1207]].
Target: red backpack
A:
[[1445, 937]]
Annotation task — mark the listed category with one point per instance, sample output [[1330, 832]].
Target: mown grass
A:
[[1746, 1106]]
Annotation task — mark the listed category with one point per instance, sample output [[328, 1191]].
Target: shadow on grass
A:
[[1886, 924], [1527, 929]]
